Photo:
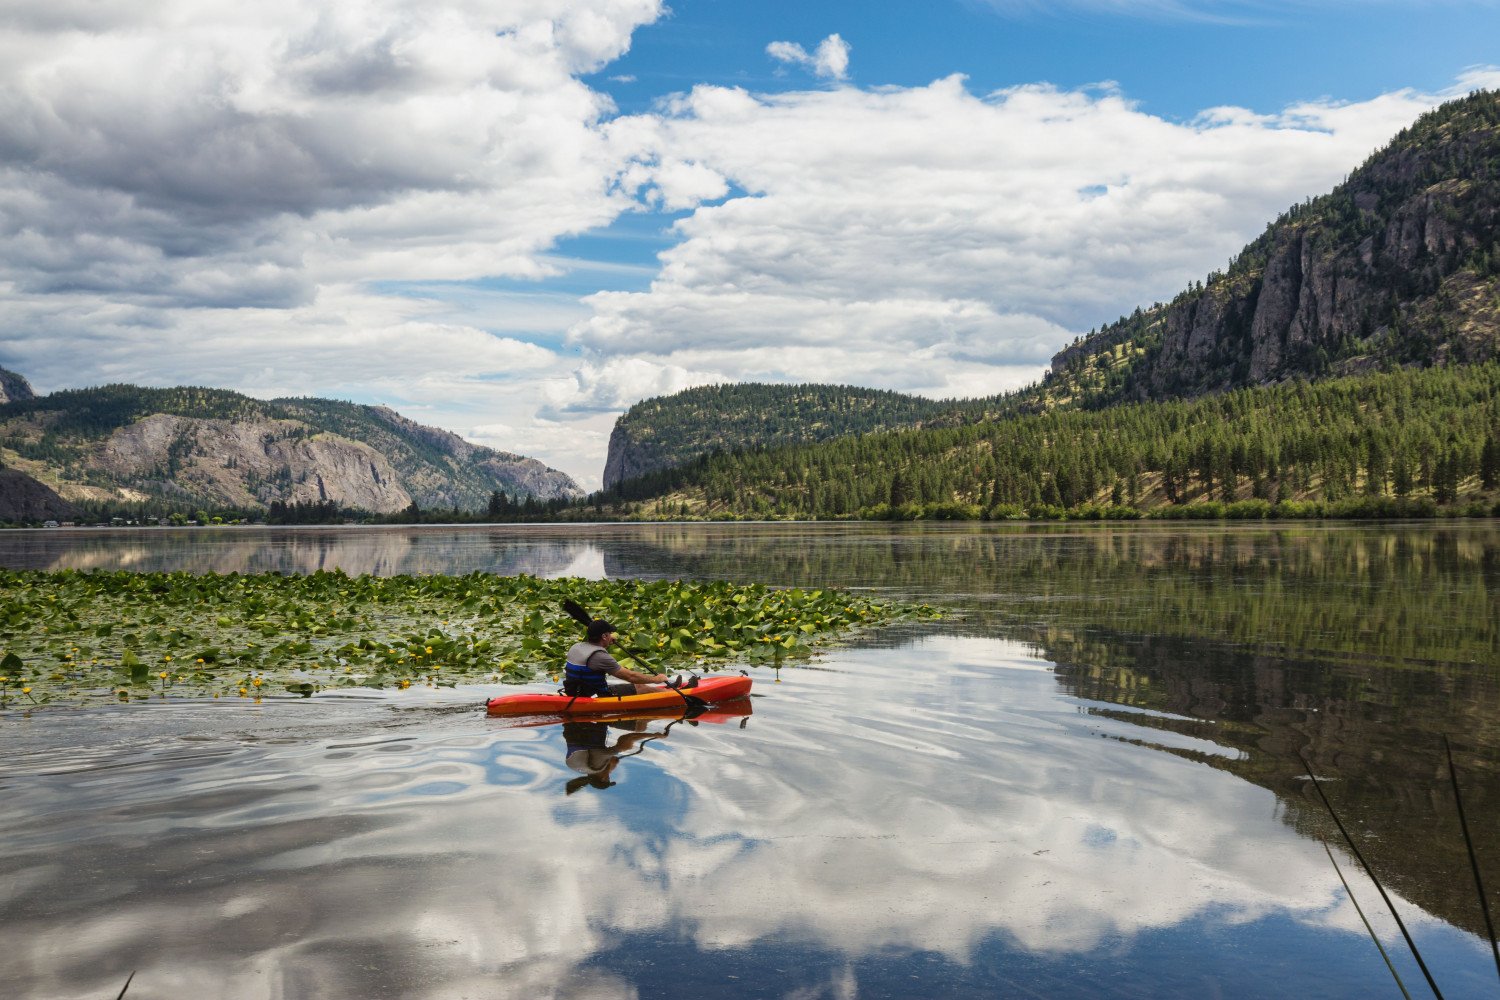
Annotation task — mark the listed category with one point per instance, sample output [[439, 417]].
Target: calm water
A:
[[1086, 782]]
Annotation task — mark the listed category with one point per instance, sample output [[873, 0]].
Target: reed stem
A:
[[1463, 823], [1373, 936], [1417, 954]]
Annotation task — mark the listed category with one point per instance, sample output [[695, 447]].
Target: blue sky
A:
[[1173, 59], [514, 220]]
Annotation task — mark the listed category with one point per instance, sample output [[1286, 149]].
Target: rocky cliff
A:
[[248, 463], [1398, 265], [14, 387], [628, 457], [217, 448]]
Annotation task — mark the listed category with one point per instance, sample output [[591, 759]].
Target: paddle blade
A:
[[576, 612]]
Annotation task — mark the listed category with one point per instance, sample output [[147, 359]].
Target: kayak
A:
[[709, 689], [718, 712]]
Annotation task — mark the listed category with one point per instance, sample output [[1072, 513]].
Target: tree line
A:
[[1422, 437]]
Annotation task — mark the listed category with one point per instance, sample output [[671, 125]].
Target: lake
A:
[[1088, 780]]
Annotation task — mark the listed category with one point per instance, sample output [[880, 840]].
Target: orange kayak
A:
[[709, 689], [718, 712]]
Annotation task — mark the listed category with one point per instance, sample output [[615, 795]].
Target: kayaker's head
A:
[[601, 632]]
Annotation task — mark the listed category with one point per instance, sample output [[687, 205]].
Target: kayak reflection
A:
[[590, 752]]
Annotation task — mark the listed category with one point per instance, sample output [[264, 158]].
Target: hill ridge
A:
[[186, 444]]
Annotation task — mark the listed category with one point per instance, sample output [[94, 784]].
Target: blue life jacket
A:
[[581, 680]]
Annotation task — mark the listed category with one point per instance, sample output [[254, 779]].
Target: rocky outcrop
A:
[[14, 387], [250, 463], [1391, 267], [24, 499], [627, 457]]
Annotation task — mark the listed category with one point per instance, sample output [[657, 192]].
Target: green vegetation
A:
[[671, 430], [1399, 443], [72, 636]]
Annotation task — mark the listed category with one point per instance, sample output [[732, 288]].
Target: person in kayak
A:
[[590, 667]]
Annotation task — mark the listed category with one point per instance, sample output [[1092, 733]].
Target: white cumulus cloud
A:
[[830, 59]]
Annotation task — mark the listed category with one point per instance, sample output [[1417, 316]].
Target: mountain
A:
[[216, 448], [668, 431], [1395, 266]]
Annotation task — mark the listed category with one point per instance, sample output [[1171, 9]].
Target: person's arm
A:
[[607, 663]]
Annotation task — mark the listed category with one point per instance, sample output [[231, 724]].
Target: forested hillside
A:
[[1404, 438], [194, 445], [669, 430], [1400, 264]]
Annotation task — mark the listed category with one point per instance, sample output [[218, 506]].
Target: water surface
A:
[[1086, 782]]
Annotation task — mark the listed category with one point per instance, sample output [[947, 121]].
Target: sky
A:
[[513, 219]]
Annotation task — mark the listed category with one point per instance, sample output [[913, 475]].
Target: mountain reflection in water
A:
[[1012, 802]]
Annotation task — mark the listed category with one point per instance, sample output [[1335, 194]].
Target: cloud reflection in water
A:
[[926, 799]]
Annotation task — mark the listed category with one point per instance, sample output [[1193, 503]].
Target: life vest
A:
[[581, 680]]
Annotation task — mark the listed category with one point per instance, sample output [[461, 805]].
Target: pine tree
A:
[[1489, 462]]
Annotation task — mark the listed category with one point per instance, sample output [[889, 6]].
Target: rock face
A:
[[251, 463], [22, 498], [1397, 265], [627, 457], [13, 387]]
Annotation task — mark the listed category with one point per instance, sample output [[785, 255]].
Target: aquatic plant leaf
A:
[[379, 631]]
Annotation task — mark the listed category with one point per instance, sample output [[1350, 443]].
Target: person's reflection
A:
[[590, 753]]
